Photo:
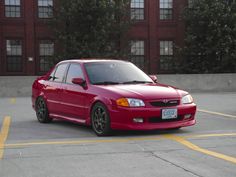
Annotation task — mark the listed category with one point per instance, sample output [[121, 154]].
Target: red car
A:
[[109, 95]]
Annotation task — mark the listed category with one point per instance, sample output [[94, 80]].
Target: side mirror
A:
[[79, 81], [154, 78]]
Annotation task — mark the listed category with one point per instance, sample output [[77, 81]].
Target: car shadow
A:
[[77, 130], [72, 126], [135, 133], [119, 133]]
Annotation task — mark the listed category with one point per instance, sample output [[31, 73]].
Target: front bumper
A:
[[123, 118]]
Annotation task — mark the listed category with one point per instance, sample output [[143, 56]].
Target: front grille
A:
[[159, 119], [165, 103]]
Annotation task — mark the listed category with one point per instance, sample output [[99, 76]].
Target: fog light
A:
[[187, 116], [138, 120]]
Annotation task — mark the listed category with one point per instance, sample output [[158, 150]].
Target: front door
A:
[[72, 95]]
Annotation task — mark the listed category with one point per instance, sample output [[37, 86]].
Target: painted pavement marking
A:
[[199, 149], [151, 138], [4, 134], [217, 113], [13, 100]]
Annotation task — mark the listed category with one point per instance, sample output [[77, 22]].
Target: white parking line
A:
[[217, 113]]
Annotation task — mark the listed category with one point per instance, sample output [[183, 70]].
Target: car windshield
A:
[[115, 72]]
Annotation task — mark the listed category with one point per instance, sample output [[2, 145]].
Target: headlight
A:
[[187, 99], [130, 102]]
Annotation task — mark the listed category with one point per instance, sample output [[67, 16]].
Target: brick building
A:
[[26, 42]]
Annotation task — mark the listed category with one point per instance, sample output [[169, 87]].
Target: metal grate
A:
[[165, 103]]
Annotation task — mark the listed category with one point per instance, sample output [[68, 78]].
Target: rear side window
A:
[[59, 74], [51, 77], [74, 71]]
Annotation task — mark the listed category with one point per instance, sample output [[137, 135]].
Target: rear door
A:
[[53, 88]]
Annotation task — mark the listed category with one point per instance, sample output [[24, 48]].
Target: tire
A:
[[100, 120], [42, 111]]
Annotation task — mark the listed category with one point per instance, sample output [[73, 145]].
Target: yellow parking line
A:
[[4, 134], [209, 135], [179, 139], [199, 149], [151, 138], [216, 113], [13, 100], [83, 141]]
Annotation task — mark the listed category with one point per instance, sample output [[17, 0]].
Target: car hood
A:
[[145, 91]]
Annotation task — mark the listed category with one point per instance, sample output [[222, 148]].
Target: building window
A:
[[46, 52], [166, 55], [45, 8], [137, 54], [14, 55], [166, 9], [137, 9], [12, 8]]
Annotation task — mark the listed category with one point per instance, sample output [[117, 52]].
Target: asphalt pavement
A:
[[63, 149]]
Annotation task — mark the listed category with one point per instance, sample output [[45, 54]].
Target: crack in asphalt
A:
[[142, 150], [178, 166], [165, 160]]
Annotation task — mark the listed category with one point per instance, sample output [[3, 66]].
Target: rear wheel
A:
[[42, 111], [100, 120]]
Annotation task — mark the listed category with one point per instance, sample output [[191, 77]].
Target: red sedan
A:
[[109, 95]]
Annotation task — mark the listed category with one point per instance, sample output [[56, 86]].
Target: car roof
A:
[[90, 60]]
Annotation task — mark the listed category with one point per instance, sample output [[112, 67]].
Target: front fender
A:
[[106, 101]]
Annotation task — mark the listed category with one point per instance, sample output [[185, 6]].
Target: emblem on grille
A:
[[165, 101]]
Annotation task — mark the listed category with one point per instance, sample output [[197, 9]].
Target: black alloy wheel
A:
[[42, 111], [100, 120]]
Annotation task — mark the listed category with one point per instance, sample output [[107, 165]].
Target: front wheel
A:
[[100, 120], [42, 111]]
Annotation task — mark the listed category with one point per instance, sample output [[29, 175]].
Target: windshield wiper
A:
[[136, 82], [106, 83]]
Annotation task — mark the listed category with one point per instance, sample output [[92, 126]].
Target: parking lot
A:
[[59, 149]]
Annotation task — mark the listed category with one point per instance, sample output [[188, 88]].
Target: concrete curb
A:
[[16, 86], [201, 82]]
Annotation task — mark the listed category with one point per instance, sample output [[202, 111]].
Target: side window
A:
[[59, 74], [74, 71]]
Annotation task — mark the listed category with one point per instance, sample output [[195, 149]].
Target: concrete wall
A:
[[12, 86], [201, 82]]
